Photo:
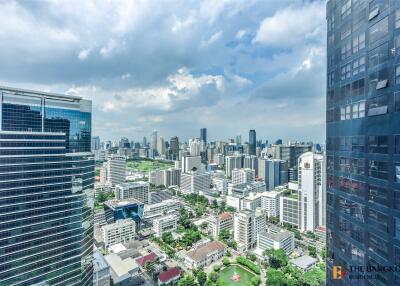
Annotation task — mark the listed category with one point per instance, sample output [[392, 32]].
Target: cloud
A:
[[292, 25], [174, 66]]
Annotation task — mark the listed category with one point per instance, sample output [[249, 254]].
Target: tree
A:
[[209, 283], [226, 261], [204, 225], [214, 204], [275, 278], [252, 257], [297, 234], [323, 253], [187, 280], [273, 219], [312, 251], [224, 235], [276, 257], [167, 237], [217, 268], [201, 278], [255, 281], [213, 276], [222, 206], [232, 244]]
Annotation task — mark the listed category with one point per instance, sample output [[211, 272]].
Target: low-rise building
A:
[[163, 208], [121, 269], [205, 254], [276, 239], [165, 224], [133, 190], [101, 270], [290, 209], [219, 222], [304, 262], [168, 277], [121, 231]]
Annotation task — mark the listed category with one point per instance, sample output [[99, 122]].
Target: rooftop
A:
[[99, 262], [133, 184], [225, 215], [169, 274], [292, 195], [146, 258], [27, 92], [277, 236], [121, 203], [202, 251], [304, 262], [120, 266]]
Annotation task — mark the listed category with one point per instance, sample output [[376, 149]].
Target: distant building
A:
[[191, 163], [195, 182], [205, 254], [159, 196], [157, 210], [122, 231], [232, 162], [275, 239], [203, 135], [219, 222], [116, 169], [220, 184], [164, 224], [133, 190], [241, 176], [273, 172], [252, 142], [290, 209], [122, 209], [247, 224], [251, 162]]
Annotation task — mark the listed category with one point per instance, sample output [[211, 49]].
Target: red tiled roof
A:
[[169, 274], [147, 258], [225, 216]]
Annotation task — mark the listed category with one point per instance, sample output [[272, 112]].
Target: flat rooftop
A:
[[28, 92]]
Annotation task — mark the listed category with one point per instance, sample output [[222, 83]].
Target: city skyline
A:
[[231, 59]]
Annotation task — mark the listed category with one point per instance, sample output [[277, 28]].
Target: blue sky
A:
[[177, 65]]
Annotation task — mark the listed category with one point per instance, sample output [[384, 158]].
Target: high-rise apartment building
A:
[[363, 142], [233, 162], [252, 142], [203, 135], [174, 148], [273, 172], [247, 224], [241, 176], [116, 169], [46, 189], [133, 190]]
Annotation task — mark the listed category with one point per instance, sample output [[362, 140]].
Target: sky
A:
[[176, 65]]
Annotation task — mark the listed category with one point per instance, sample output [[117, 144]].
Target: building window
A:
[[346, 50], [397, 144], [358, 42], [378, 105], [358, 143], [344, 164], [359, 65], [397, 74], [378, 245], [378, 169], [378, 144], [358, 166], [378, 30], [397, 227], [346, 8], [396, 96], [358, 87], [378, 219], [359, 109], [346, 71], [378, 55], [351, 208], [397, 19], [345, 31], [378, 195], [397, 172]]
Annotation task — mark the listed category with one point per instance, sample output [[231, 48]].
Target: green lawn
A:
[[148, 165]]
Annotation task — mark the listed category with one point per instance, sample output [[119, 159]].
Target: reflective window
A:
[[378, 30], [378, 169]]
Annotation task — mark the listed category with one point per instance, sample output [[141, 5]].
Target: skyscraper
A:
[[174, 148], [46, 189], [203, 135], [153, 143], [363, 123], [252, 142]]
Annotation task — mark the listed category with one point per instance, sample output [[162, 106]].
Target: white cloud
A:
[[293, 25], [212, 39], [125, 76], [84, 54], [240, 34]]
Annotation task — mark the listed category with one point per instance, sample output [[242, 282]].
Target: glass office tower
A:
[[46, 189], [363, 140], [252, 142]]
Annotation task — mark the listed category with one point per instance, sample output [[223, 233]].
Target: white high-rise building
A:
[[195, 182], [161, 146], [290, 209], [251, 162], [247, 224], [191, 163], [270, 203], [232, 162], [220, 184], [133, 190], [195, 147], [310, 167], [241, 176], [116, 169]]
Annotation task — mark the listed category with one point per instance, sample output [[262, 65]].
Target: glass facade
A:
[[363, 127], [252, 142], [46, 189]]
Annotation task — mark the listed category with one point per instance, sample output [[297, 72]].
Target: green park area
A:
[[243, 276], [148, 165]]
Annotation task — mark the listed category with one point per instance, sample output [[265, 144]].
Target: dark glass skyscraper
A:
[[252, 142], [46, 189], [203, 135], [363, 139]]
